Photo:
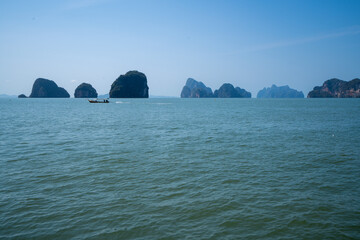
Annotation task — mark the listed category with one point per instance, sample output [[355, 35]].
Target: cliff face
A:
[[336, 88], [131, 85], [85, 90], [227, 90], [186, 92], [44, 88], [195, 89], [279, 92]]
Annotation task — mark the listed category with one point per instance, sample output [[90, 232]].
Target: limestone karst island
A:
[[44, 88], [85, 90], [131, 85], [279, 92], [195, 89], [134, 84], [336, 88]]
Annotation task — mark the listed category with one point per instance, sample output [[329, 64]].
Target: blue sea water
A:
[[180, 169]]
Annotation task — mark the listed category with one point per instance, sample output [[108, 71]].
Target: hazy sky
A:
[[250, 44]]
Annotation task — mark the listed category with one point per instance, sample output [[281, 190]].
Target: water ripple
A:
[[179, 169]]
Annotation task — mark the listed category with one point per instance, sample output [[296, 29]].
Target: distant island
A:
[[104, 95], [131, 85], [45, 88], [85, 90], [279, 92], [7, 96], [336, 88], [134, 85], [227, 90], [195, 89]]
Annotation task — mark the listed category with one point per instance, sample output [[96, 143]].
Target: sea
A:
[[180, 169]]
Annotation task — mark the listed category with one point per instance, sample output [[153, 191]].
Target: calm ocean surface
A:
[[180, 169]]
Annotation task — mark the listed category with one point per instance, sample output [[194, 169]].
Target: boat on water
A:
[[99, 100]]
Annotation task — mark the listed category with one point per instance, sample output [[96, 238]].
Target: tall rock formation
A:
[[227, 90], [279, 92], [85, 90], [44, 88], [195, 89], [131, 85], [336, 88]]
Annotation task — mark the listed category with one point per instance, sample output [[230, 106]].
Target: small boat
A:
[[99, 100]]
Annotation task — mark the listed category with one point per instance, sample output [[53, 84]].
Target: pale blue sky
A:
[[251, 44]]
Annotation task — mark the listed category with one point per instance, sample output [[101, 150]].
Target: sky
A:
[[250, 44]]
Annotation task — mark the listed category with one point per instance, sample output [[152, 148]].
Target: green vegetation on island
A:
[[336, 88]]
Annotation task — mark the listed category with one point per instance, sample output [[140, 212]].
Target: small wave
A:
[[121, 102]]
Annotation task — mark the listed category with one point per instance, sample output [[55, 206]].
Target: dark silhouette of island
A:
[[279, 92], [85, 90], [44, 88], [131, 85], [195, 89], [22, 96], [227, 90], [336, 88]]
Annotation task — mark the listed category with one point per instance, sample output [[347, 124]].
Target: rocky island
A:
[[44, 88], [195, 89], [85, 90], [22, 96], [227, 90], [336, 88], [131, 85], [279, 92]]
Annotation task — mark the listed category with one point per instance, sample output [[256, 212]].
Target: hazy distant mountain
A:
[[279, 92], [7, 96], [336, 88], [104, 96]]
